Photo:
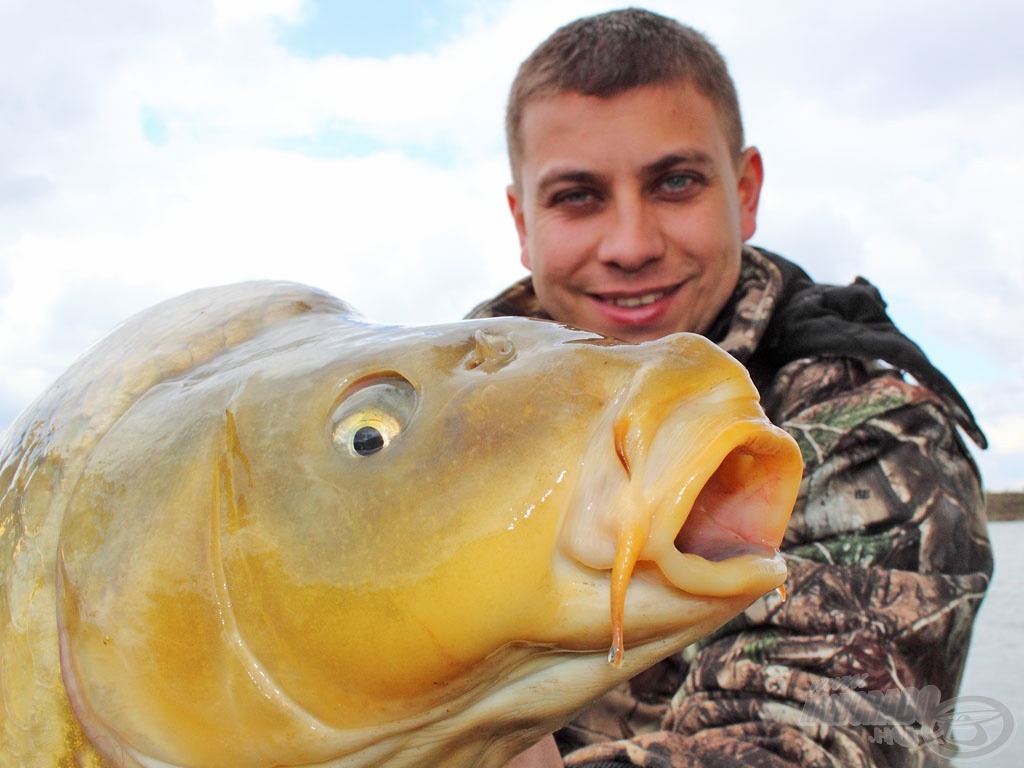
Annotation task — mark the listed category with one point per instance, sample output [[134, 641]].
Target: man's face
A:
[[632, 210]]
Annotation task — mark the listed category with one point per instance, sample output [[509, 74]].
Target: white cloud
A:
[[232, 11], [1007, 436]]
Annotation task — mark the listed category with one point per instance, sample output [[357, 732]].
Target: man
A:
[[634, 197]]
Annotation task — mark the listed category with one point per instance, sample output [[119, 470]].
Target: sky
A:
[[149, 148]]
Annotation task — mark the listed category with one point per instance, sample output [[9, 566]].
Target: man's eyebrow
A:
[[674, 160], [567, 176], [662, 164]]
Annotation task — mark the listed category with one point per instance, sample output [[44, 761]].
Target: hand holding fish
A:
[[543, 754]]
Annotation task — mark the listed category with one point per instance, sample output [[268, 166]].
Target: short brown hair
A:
[[609, 53]]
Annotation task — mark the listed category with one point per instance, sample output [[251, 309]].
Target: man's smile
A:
[[635, 299]]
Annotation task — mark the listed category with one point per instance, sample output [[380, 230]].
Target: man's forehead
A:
[[650, 128]]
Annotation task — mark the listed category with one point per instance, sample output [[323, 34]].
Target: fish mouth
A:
[[716, 536], [720, 536], [698, 490]]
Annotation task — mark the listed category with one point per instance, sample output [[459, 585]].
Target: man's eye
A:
[[677, 182], [572, 197]]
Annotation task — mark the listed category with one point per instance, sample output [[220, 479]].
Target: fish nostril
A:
[[491, 351]]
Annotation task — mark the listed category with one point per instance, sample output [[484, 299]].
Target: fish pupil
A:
[[367, 441]]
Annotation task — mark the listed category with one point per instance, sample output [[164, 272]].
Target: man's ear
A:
[[515, 207], [750, 177]]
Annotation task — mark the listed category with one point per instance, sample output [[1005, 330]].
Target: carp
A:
[[251, 528]]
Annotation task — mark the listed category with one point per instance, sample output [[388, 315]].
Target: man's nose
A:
[[632, 238]]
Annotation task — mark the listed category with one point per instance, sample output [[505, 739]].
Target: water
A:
[[994, 666]]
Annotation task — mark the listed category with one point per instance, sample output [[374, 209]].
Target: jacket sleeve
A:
[[889, 561]]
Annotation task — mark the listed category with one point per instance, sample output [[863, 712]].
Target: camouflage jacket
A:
[[887, 549]]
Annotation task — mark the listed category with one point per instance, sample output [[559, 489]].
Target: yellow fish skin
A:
[[251, 529]]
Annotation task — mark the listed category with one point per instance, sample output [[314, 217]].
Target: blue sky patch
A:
[[154, 127], [375, 29]]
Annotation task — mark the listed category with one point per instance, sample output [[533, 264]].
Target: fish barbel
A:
[[251, 529]]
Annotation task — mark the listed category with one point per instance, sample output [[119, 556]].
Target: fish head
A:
[[345, 544]]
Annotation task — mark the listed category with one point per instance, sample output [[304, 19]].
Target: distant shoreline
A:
[[1005, 506]]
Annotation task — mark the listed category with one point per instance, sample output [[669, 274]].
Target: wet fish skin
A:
[[200, 567]]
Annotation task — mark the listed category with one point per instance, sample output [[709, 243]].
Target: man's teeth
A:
[[637, 301]]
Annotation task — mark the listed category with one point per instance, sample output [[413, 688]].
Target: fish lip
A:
[[669, 440], [686, 420], [720, 536]]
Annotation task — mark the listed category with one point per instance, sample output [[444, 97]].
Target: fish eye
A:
[[372, 413], [367, 440]]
